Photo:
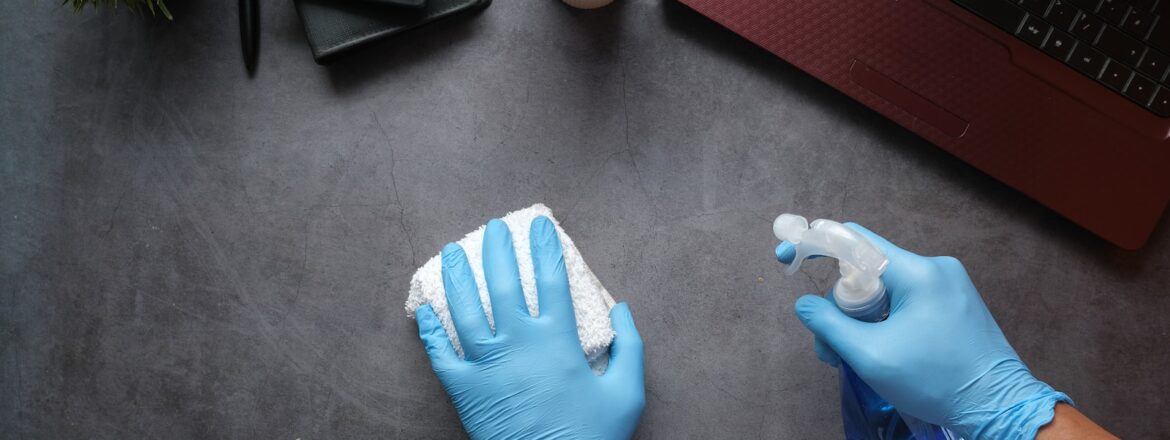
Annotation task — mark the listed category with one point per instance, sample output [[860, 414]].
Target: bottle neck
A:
[[873, 306]]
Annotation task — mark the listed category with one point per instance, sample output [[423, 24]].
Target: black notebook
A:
[[336, 27]]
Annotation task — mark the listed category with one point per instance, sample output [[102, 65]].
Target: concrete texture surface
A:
[[191, 253]]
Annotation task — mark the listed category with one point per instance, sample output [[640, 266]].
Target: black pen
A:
[[250, 32]]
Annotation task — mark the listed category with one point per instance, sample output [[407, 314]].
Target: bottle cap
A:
[[859, 292]]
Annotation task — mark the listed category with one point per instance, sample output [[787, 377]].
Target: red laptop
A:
[[1065, 100]]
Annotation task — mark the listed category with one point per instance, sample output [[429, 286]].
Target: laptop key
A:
[[1059, 45], [1036, 7], [1160, 36], [1138, 23], [1116, 76], [1001, 13], [1154, 64], [1161, 102], [1034, 31], [1140, 89], [1143, 5], [1087, 60], [1062, 14], [1089, 5], [1120, 46], [1087, 27], [1113, 11]]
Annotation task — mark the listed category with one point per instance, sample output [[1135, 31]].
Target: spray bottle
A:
[[861, 295]]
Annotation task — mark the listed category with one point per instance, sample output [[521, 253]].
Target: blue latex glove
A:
[[939, 356], [530, 379]]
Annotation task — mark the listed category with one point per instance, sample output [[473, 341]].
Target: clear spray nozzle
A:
[[859, 292]]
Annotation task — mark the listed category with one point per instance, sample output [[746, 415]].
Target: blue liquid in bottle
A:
[[866, 415]]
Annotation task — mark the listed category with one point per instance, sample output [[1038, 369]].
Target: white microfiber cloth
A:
[[591, 302]]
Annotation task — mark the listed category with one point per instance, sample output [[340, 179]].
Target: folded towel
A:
[[591, 302]]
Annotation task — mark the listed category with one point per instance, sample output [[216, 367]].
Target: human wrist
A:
[[1067, 422]]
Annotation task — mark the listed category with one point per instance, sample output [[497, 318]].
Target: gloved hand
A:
[[530, 379], [939, 356]]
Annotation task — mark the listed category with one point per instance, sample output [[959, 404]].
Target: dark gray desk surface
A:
[[190, 253]]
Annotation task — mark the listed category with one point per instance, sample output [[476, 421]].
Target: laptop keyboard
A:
[[1122, 44]]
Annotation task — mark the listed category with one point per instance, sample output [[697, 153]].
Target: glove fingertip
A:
[[626, 353], [621, 316], [626, 334], [433, 335], [496, 223], [451, 253], [426, 318], [543, 233], [428, 323], [808, 307], [827, 323], [785, 252]]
